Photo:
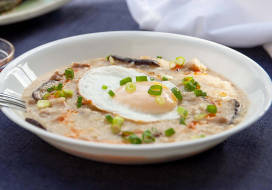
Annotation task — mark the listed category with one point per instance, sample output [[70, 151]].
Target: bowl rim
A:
[[222, 135]]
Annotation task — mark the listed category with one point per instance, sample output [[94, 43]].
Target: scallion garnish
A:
[[130, 87], [200, 116], [125, 81], [104, 87], [59, 87], [160, 100], [46, 96], [176, 93], [148, 137], [111, 93], [212, 108], [141, 78], [152, 78], [155, 90], [182, 111], [131, 137], [43, 103], [67, 92], [186, 80], [167, 77], [109, 118], [116, 124], [180, 60], [198, 92], [79, 101], [189, 87], [154, 130], [172, 64], [108, 56], [69, 73], [52, 88], [169, 132], [182, 121], [159, 57], [58, 94]]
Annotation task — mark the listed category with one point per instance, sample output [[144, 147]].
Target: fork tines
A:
[[12, 102]]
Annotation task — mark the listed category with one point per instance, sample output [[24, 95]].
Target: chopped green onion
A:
[[141, 78], [108, 56], [69, 73], [67, 92], [46, 96], [131, 137], [190, 87], [109, 118], [182, 111], [155, 90], [43, 103], [79, 101], [58, 94], [180, 60], [167, 77], [204, 94], [126, 134], [104, 87], [197, 136], [198, 86], [52, 88], [153, 129], [198, 92], [134, 139], [169, 132], [125, 81], [111, 93], [176, 93], [200, 116], [159, 57], [212, 108], [152, 78], [182, 121], [116, 124], [186, 80], [130, 87], [59, 87], [148, 137], [172, 64], [112, 61], [160, 100]]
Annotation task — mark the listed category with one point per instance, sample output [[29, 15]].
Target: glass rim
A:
[[7, 59]]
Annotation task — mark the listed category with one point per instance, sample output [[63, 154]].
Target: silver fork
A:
[[12, 102]]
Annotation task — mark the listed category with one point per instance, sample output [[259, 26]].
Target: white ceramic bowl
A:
[[241, 70]]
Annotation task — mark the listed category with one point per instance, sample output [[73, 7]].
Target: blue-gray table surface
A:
[[26, 162]]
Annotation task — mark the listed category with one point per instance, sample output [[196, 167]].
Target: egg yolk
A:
[[140, 100]]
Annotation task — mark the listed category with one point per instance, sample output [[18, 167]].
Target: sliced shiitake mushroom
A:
[[34, 122], [148, 62], [39, 93]]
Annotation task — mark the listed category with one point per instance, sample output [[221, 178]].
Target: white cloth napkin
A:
[[235, 23]]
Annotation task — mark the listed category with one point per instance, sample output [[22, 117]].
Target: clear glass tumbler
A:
[[6, 53]]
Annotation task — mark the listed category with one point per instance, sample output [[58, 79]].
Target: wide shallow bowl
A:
[[241, 70]]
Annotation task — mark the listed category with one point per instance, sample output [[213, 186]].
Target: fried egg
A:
[[138, 106]]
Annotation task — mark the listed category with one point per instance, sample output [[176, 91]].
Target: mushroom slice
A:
[[34, 122], [148, 62], [236, 107], [39, 93]]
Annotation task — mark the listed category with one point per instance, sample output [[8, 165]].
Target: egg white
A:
[[90, 87]]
